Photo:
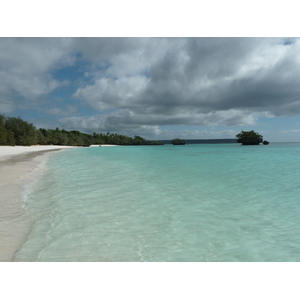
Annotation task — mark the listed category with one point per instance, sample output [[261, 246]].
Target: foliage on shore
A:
[[178, 142], [249, 137], [15, 131]]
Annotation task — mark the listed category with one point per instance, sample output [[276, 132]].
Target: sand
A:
[[18, 167]]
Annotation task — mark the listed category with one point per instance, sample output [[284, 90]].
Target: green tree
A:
[[10, 139], [249, 137], [41, 139], [178, 142], [3, 131], [3, 134], [17, 131], [2, 121], [6, 137], [24, 132]]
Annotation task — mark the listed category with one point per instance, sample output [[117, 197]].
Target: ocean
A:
[[192, 203]]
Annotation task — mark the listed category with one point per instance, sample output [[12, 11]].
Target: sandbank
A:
[[18, 167]]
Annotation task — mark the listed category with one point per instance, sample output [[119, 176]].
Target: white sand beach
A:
[[18, 167]]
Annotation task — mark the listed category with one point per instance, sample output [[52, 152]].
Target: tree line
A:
[[15, 131]]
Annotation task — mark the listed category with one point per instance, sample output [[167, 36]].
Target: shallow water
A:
[[167, 203]]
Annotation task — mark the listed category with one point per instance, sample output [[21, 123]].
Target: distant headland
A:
[[204, 141]]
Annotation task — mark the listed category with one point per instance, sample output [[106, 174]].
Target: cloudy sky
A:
[[159, 88]]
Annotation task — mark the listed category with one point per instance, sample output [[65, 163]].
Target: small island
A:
[[249, 138], [178, 142]]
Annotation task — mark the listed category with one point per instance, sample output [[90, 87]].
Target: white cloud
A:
[[102, 123], [6, 106], [69, 110], [26, 65], [296, 131], [126, 122], [109, 93], [196, 75], [153, 82]]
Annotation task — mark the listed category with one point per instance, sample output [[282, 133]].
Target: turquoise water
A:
[[167, 203]]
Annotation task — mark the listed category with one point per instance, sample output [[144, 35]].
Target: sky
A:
[[158, 88]]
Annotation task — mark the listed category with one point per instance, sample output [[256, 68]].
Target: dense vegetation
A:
[[249, 138], [15, 131], [178, 142]]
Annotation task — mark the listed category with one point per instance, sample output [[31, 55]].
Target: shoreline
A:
[[19, 166]]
